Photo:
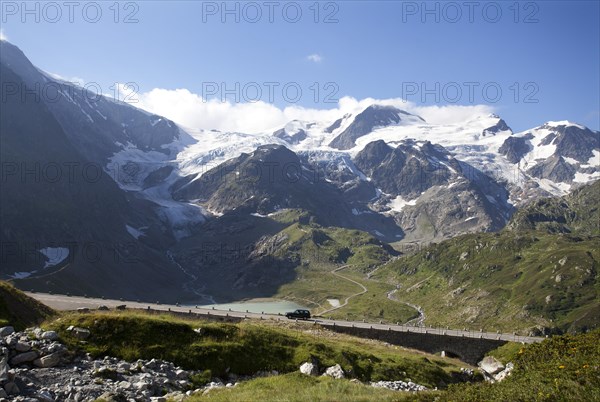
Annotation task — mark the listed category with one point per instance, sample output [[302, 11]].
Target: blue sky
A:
[[549, 50]]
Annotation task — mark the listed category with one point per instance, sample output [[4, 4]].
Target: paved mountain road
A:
[[65, 303]]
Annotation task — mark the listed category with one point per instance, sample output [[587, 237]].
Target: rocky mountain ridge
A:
[[380, 169]]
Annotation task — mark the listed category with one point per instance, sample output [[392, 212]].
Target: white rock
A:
[[504, 373], [124, 385], [335, 372], [309, 369], [140, 385], [399, 385], [491, 365]]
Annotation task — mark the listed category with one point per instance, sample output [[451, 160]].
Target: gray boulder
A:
[[113, 397], [80, 333], [44, 396], [22, 347], [5, 331], [11, 388], [49, 335], [4, 368], [23, 358], [47, 361]]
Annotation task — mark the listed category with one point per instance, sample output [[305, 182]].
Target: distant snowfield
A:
[[199, 151], [54, 255], [398, 203], [466, 141]]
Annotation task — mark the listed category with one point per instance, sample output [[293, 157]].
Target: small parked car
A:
[[302, 314]]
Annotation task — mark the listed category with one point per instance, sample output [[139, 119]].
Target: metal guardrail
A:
[[78, 301], [437, 331]]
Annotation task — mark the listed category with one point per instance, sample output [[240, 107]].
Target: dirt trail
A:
[[345, 303], [419, 321]]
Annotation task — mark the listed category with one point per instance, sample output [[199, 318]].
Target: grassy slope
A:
[[503, 280], [539, 272], [563, 368], [322, 250], [308, 252], [297, 387], [578, 212], [19, 310], [248, 347]]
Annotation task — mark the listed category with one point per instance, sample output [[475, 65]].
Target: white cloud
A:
[[3, 35], [191, 110], [315, 58]]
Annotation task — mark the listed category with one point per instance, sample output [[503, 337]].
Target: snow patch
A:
[[398, 203], [333, 302], [571, 160], [136, 233], [564, 123], [21, 275], [55, 255]]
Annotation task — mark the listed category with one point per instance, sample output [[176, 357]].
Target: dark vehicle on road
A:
[[302, 314]]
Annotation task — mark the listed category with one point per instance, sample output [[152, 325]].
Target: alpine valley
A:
[[461, 225]]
